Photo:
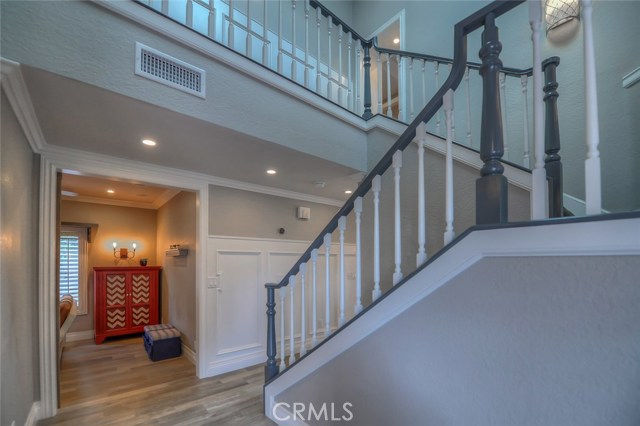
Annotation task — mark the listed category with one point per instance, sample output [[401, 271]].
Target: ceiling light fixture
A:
[[396, 40], [149, 142], [348, 191], [271, 172], [111, 191], [558, 12]]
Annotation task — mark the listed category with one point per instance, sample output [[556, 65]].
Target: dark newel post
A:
[[271, 368], [553, 165], [367, 81], [491, 188]]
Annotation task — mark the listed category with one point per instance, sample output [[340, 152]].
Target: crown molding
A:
[[165, 197], [109, 202], [18, 95]]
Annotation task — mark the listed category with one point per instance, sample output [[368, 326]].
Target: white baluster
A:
[[249, 47], [164, 7], [539, 176], [421, 140], [448, 109], [411, 89], [593, 191], [453, 115], [389, 111], [283, 365], [329, 59], [357, 104], [265, 35], [318, 75], [306, 44], [342, 226], [339, 64], [376, 186], [524, 80], [231, 31], [397, 165], [327, 312], [303, 310], [294, 56], [292, 318], [378, 60], [189, 13], [357, 208], [314, 298], [280, 57], [503, 107], [436, 73], [212, 21], [468, 95], [349, 82], [424, 84], [400, 94]]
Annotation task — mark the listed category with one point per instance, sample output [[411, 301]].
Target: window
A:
[[73, 264]]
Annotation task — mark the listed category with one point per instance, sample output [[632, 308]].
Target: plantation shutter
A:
[[70, 265]]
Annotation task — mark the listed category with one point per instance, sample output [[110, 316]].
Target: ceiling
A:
[[80, 116]]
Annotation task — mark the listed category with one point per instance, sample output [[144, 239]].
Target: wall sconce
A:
[[558, 12], [124, 253]]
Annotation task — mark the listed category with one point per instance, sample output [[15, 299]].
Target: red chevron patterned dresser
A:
[[126, 299]]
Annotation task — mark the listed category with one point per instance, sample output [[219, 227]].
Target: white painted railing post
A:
[[593, 191], [424, 83], [349, 82], [318, 75], [397, 165], [357, 208], [248, 41], [306, 44], [436, 73], [339, 64], [327, 313], [231, 31], [411, 90], [329, 58], [283, 365], [292, 320], [342, 226], [379, 77], [280, 54], [314, 297], [294, 56], [265, 35], [356, 106], [376, 186], [503, 106], [524, 81], [539, 176], [448, 111], [453, 114], [389, 111], [421, 140], [468, 96], [401, 111], [303, 310]]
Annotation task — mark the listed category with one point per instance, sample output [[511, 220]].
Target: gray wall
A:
[[176, 224], [538, 341], [19, 363]]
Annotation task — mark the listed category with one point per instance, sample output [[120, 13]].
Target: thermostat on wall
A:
[[304, 213]]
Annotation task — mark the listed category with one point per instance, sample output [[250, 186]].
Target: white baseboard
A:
[[576, 206], [189, 354], [79, 335], [235, 363], [34, 414]]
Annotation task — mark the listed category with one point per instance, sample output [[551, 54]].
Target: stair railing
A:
[[491, 203]]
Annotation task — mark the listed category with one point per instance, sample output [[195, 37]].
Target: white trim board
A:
[[597, 238], [79, 335], [189, 354], [34, 414]]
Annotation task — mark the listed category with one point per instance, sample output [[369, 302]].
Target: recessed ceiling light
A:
[[348, 191], [111, 191], [271, 172], [149, 142], [396, 40]]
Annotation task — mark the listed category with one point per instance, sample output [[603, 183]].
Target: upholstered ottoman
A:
[[162, 341]]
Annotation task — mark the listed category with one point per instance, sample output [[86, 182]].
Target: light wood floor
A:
[[116, 384]]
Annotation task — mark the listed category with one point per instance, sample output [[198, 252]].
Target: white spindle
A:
[[303, 310], [448, 110], [342, 226], [249, 47], [349, 83], [400, 94], [453, 115], [524, 81], [424, 83], [376, 186], [436, 74], [189, 12], [503, 107], [389, 111], [212, 21], [411, 89], [306, 43], [593, 191], [280, 57], [421, 140], [164, 7], [539, 177], [329, 58], [339, 64], [265, 35], [397, 165], [283, 365], [314, 297], [327, 287], [357, 208], [231, 31], [356, 107], [294, 62], [468, 96], [318, 20], [378, 61], [292, 318]]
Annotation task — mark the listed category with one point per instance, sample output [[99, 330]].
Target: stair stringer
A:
[[594, 236]]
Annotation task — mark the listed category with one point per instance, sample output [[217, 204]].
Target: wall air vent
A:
[[170, 71]]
